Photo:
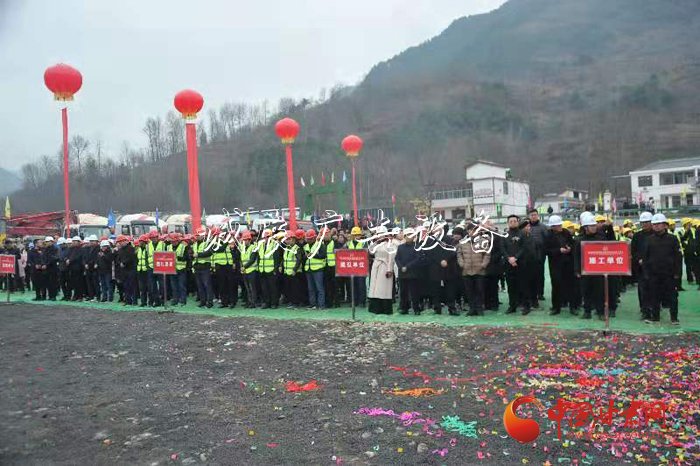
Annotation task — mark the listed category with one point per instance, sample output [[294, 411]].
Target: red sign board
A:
[[351, 263], [7, 264], [605, 258], [164, 262]]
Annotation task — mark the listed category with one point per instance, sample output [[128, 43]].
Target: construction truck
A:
[[90, 224], [135, 225]]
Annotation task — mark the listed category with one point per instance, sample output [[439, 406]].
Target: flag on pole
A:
[[529, 201], [303, 184], [111, 219], [8, 210], [600, 201], [614, 205], [345, 177], [157, 219], [332, 177], [323, 179], [393, 198], [312, 180]]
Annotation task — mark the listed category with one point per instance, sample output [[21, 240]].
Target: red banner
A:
[[164, 262], [351, 263], [606, 258], [7, 264]]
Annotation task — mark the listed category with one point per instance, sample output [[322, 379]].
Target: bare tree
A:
[[31, 176], [78, 146], [156, 141], [175, 133]]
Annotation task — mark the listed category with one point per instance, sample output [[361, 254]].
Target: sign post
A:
[[164, 263], [351, 263], [7, 267], [606, 258]]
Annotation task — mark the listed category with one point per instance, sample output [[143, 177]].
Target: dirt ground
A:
[[85, 386]]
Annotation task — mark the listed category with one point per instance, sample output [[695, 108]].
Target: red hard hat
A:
[[102, 238], [310, 234], [163, 238], [289, 234], [215, 231], [153, 234], [143, 238], [299, 234], [202, 230], [173, 237], [122, 238], [246, 235]]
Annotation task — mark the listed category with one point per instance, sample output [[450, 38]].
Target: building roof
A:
[[485, 162], [671, 163]]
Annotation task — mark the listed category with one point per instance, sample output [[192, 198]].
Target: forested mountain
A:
[[8, 182], [565, 92]]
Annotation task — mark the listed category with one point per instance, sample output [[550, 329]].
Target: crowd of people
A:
[[429, 267]]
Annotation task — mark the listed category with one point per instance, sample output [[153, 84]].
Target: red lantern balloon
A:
[[63, 80], [189, 103], [287, 130], [352, 145]]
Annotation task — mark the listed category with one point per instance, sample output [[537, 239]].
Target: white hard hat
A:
[[555, 221], [645, 217], [658, 218], [61, 240], [588, 220], [104, 243], [92, 238], [76, 238], [583, 215], [381, 230], [48, 238], [409, 231]]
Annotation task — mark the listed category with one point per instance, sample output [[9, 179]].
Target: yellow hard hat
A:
[[616, 228], [600, 218], [671, 222], [356, 231], [628, 222], [696, 223], [577, 226], [686, 220], [567, 224]]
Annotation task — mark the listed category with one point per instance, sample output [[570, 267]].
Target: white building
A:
[[488, 187], [568, 200], [667, 184]]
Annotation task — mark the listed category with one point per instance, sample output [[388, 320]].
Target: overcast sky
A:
[[136, 54]]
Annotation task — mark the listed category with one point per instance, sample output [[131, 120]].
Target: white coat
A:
[[381, 286]]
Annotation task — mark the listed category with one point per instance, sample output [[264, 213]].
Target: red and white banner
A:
[[164, 262], [7, 264], [606, 258], [351, 263]]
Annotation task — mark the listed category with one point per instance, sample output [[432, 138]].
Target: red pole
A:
[[354, 195], [66, 186], [193, 176], [290, 189]]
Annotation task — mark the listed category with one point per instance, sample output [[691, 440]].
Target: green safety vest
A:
[[200, 249], [330, 254], [267, 256], [353, 244], [180, 264], [246, 250], [312, 263], [151, 250], [141, 259], [290, 260], [223, 257]]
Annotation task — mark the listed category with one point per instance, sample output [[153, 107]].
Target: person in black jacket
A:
[[661, 260], [409, 261], [512, 252], [494, 271], [104, 271], [35, 260], [92, 279], [638, 246], [529, 264], [126, 261], [442, 272], [50, 262], [592, 286], [74, 266], [559, 246]]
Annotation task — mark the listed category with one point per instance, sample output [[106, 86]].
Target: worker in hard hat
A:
[[291, 270], [143, 271], [592, 287], [222, 260], [74, 264], [360, 283], [50, 268], [249, 268], [35, 261], [329, 281], [559, 246], [269, 262], [125, 265], [105, 260], [202, 252], [63, 275], [315, 264], [90, 266], [690, 251], [678, 234], [661, 260], [638, 245]]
